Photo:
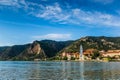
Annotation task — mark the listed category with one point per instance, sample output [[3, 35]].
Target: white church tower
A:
[[81, 58]]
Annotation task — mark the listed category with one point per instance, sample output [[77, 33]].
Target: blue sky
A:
[[23, 21]]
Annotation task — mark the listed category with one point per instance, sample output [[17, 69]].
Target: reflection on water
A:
[[59, 70]]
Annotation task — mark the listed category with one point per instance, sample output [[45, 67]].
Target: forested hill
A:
[[36, 50], [49, 48], [99, 43]]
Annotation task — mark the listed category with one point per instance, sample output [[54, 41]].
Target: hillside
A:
[[36, 50], [99, 43], [49, 48], [52, 47]]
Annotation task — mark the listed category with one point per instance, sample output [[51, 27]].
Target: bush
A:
[[65, 58], [95, 55], [72, 58]]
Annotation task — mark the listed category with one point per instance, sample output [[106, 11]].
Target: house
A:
[[70, 55], [111, 53], [89, 52]]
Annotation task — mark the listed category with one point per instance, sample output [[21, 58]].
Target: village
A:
[[92, 55]]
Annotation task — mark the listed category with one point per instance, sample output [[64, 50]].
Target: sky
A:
[[23, 21]]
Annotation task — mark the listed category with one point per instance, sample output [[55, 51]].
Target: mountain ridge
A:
[[99, 43], [50, 48]]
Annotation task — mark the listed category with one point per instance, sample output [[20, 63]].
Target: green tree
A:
[[65, 58], [72, 58], [95, 54]]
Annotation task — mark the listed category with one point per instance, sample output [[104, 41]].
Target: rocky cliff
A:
[[36, 50], [33, 51]]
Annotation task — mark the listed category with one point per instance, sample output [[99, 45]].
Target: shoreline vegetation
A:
[[105, 60], [68, 60]]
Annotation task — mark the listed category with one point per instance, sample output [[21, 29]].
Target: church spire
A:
[[81, 53]]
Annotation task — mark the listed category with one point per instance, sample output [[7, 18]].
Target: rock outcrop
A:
[[34, 48], [38, 50], [34, 51]]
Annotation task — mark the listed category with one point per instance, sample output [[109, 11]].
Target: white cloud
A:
[[103, 1], [9, 3], [54, 36], [15, 3], [95, 18], [52, 12], [77, 16]]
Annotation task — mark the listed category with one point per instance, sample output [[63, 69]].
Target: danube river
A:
[[31, 70]]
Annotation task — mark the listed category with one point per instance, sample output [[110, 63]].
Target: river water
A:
[[47, 70]]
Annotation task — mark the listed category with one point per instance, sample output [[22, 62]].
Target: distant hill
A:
[[7, 53], [52, 47], [49, 48], [99, 43], [35, 50]]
